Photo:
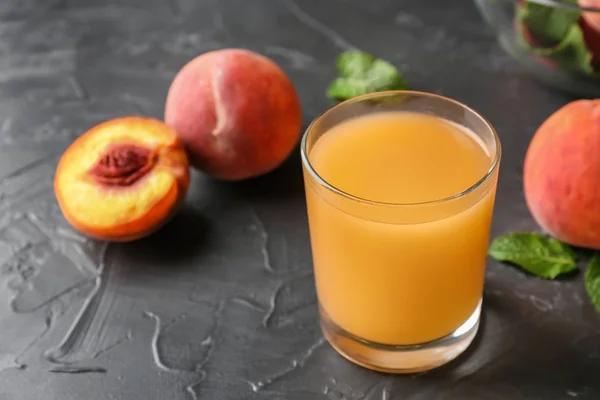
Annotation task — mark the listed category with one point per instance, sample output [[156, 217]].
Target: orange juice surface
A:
[[399, 280]]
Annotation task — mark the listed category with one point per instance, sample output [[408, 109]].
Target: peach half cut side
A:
[[122, 179]]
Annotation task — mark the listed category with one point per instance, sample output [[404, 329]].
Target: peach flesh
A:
[[590, 27], [591, 17]]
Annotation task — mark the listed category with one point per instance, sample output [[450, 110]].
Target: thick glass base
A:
[[401, 359]]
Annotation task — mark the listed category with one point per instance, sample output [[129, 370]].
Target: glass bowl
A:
[[558, 41]]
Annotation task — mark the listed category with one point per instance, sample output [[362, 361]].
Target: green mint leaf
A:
[[592, 280], [539, 255], [361, 73], [548, 25], [354, 63], [570, 54], [555, 35], [573, 54]]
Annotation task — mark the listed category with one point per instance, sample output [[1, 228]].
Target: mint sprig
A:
[[554, 33], [361, 73], [539, 255], [548, 25], [546, 258], [592, 281]]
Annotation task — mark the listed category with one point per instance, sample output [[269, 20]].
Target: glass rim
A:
[[307, 164], [562, 4]]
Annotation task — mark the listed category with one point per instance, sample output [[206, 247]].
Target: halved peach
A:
[[122, 179]]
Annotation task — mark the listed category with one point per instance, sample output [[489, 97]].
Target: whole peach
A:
[[236, 112], [562, 174]]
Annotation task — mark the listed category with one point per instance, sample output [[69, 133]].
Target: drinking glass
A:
[[400, 285]]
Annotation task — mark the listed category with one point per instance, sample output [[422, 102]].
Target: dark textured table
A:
[[220, 303]]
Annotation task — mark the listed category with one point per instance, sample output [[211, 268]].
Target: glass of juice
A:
[[400, 190]]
